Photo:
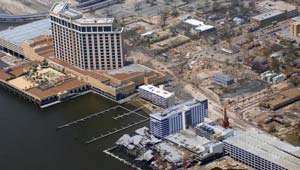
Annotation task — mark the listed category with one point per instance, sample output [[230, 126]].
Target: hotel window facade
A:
[[178, 117], [90, 44]]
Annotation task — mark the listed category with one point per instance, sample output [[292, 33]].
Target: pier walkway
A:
[[133, 112], [86, 118], [127, 113], [115, 131]]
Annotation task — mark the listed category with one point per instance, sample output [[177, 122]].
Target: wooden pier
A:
[[133, 112], [127, 113], [86, 118], [115, 131]]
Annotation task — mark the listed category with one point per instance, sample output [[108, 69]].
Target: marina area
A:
[[36, 135], [71, 133]]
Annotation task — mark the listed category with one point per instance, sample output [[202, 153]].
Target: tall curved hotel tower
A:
[[88, 43]]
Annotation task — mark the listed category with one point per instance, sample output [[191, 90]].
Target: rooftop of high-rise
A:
[[176, 108], [268, 147], [63, 10]]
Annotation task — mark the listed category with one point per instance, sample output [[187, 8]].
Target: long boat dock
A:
[[133, 112], [115, 131], [127, 113], [86, 118]]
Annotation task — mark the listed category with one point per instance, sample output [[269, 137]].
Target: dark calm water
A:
[[29, 140]]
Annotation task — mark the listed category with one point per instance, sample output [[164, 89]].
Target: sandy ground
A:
[[19, 7]]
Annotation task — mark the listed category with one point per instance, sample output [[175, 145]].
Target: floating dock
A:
[[127, 114], [86, 118], [115, 131]]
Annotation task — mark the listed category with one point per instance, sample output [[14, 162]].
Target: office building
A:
[[178, 117], [262, 151], [157, 95], [223, 79], [295, 28], [273, 11], [88, 43], [268, 18], [194, 26]]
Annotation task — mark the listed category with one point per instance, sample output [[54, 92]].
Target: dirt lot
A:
[[19, 7]]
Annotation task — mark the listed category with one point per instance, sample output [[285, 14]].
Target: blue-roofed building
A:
[[223, 79], [11, 40], [178, 117]]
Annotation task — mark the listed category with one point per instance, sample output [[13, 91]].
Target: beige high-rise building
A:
[[294, 28], [88, 43]]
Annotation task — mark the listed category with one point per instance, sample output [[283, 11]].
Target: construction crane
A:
[[225, 119]]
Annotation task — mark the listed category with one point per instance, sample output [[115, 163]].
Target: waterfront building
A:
[[223, 79], [178, 117], [42, 85], [11, 39], [88, 43], [115, 84], [262, 151], [157, 95]]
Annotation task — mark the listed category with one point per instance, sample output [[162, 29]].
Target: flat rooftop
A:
[[176, 108], [156, 90], [199, 25], [276, 5], [129, 71], [97, 75], [204, 27], [189, 140], [222, 76], [19, 34], [43, 83], [57, 89], [193, 22], [285, 96], [172, 154], [267, 15], [95, 20], [213, 128], [267, 147], [63, 9]]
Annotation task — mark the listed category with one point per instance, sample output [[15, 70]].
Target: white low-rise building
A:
[[272, 77], [157, 95], [195, 26]]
